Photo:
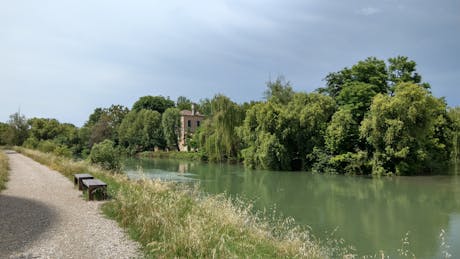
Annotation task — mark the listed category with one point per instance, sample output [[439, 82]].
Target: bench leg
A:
[[90, 193]]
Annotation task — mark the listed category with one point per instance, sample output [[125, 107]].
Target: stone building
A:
[[189, 122]]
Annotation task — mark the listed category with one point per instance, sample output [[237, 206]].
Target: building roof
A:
[[189, 113]]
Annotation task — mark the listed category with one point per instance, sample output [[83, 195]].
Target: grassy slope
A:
[[3, 170], [170, 220]]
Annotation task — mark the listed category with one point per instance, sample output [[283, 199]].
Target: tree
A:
[[357, 97], [217, 137], [20, 127], [342, 132], [183, 103], [6, 134], [407, 131], [279, 91], [287, 133], [154, 103], [402, 70], [103, 124], [369, 71], [141, 131], [44, 129], [454, 116], [170, 122]]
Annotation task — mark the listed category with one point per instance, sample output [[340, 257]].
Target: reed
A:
[[3, 170]]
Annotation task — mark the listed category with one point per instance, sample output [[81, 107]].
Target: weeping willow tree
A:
[[217, 138], [454, 115]]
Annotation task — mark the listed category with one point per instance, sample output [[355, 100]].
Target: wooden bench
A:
[[93, 185], [78, 178]]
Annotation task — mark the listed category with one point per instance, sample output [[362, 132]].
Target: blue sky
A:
[[62, 59]]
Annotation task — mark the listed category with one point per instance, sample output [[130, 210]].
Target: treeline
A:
[[375, 117]]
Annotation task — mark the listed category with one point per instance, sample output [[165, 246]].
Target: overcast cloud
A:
[[62, 59]]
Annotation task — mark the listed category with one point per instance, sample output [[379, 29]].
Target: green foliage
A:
[[205, 107], [342, 133], [4, 167], [279, 91], [170, 123], [106, 155], [103, 124], [6, 134], [454, 116], [141, 131], [357, 97], [402, 70], [403, 131], [217, 137], [19, 127], [369, 71], [183, 103], [280, 136], [351, 163], [154, 103], [44, 129]]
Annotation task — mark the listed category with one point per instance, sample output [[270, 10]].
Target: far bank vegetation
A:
[[375, 117]]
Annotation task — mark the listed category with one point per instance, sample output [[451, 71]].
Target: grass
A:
[[3, 170], [172, 220]]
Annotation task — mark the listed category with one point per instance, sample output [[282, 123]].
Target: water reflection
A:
[[371, 214]]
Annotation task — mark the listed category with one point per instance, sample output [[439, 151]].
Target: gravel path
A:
[[43, 216]]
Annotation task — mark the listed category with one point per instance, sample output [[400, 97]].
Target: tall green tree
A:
[[403, 70], [141, 131], [406, 131], [217, 137], [154, 103], [44, 129], [6, 134], [279, 90], [20, 128], [278, 136], [454, 115], [183, 103], [170, 122], [103, 124], [371, 71]]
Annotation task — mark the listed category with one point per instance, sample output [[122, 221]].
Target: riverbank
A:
[[3, 170], [171, 220], [191, 156]]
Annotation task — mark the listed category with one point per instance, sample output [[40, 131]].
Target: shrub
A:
[[47, 146], [106, 155]]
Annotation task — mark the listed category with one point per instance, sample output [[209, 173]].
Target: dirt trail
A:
[[43, 216]]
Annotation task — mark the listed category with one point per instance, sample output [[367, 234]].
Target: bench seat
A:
[[94, 184], [78, 178]]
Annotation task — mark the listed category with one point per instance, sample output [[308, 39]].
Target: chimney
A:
[[193, 109]]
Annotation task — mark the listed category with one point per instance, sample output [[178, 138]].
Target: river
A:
[[369, 214]]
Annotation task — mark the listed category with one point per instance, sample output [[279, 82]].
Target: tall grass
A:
[[172, 220], [3, 170]]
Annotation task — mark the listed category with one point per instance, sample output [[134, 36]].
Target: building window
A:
[[197, 123], [189, 123]]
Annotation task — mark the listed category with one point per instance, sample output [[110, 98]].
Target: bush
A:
[[47, 146], [106, 155]]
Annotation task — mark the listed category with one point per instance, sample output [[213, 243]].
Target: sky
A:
[[62, 59]]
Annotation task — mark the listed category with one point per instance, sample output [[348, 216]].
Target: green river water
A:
[[369, 214]]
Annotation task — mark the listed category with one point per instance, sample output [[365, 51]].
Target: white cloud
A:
[[367, 11]]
